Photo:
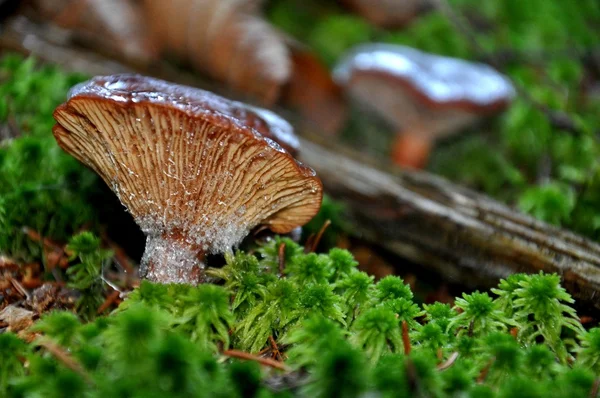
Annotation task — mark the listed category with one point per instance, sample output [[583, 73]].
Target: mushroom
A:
[[197, 171], [115, 26], [312, 92], [228, 40], [390, 13], [425, 96]]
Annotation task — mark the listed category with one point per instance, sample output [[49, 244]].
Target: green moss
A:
[[12, 351], [40, 186], [479, 315], [87, 262], [164, 339]]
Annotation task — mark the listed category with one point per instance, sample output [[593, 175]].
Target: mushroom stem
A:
[[411, 150], [169, 259]]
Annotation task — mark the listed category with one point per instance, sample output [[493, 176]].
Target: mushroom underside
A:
[[192, 186], [409, 113]]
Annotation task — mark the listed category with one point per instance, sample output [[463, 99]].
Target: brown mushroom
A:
[[226, 39], [312, 93], [390, 13], [190, 166], [115, 26], [425, 96]]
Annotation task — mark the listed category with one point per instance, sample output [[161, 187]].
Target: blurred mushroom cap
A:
[[114, 25], [390, 13], [189, 165], [226, 39], [411, 88]]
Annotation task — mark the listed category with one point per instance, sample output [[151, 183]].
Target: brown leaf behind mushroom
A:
[[312, 91], [16, 318], [227, 39]]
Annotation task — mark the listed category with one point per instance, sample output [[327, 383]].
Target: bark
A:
[[463, 235]]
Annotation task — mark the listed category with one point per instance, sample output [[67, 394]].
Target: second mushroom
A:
[[197, 171], [425, 96]]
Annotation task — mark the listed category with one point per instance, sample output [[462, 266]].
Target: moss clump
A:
[[40, 186], [172, 340]]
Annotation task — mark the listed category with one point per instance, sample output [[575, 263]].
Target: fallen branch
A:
[[465, 236]]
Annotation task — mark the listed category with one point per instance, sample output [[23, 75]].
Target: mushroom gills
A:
[[196, 181]]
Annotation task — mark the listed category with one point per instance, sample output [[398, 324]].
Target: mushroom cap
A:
[[408, 87], [113, 25], [186, 162], [226, 39], [389, 13], [437, 80]]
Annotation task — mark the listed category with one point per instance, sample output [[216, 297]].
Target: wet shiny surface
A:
[[132, 88], [441, 79]]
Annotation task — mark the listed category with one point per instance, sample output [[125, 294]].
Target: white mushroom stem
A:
[[169, 259]]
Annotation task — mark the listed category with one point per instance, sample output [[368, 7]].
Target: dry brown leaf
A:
[[51, 296], [16, 318]]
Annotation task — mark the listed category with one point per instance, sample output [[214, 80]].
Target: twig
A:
[[514, 332], [108, 302], [19, 287], [484, 372], [317, 239], [449, 362], [586, 319], [595, 388], [281, 253], [56, 255], [405, 338], [263, 351], [308, 243], [49, 243], [250, 357], [471, 328], [119, 253], [276, 353], [413, 377], [63, 356]]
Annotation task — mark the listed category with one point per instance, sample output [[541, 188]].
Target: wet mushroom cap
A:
[[189, 165], [437, 81], [416, 91]]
